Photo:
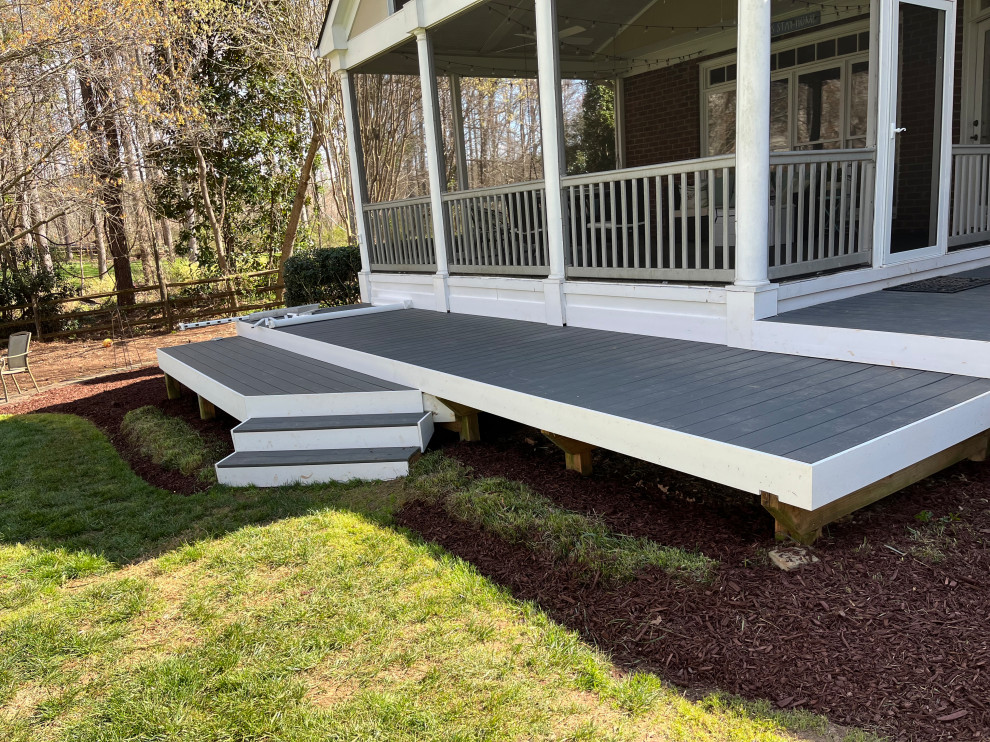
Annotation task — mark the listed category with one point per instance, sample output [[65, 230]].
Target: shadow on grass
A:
[[64, 486]]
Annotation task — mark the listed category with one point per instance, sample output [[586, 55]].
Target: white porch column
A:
[[434, 164], [753, 143], [752, 297], [358, 187], [457, 119], [552, 125]]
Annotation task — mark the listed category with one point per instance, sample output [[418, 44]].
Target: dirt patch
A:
[[107, 399], [61, 361], [887, 631]]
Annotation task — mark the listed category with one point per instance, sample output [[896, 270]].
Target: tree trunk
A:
[[211, 215], [109, 172], [98, 241], [297, 207]]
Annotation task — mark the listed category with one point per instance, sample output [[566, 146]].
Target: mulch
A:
[[870, 636], [105, 401]]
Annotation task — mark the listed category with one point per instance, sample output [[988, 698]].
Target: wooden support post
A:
[[577, 454], [465, 422], [804, 526], [37, 317], [206, 409], [172, 387]]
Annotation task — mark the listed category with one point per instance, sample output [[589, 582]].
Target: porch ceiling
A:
[[497, 38]]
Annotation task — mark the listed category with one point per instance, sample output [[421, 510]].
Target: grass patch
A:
[[170, 442], [292, 613], [515, 513]]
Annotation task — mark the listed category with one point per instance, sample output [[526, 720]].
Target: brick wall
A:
[[662, 115]]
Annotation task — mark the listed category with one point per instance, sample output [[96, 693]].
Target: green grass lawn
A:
[[299, 613]]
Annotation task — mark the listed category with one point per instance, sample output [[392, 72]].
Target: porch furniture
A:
[[16, 362]]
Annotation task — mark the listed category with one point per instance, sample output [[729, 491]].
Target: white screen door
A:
[[915, 129]]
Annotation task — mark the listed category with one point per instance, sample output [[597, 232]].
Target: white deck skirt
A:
[[877, 347]]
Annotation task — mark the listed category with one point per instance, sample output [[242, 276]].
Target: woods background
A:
[[163, 141]]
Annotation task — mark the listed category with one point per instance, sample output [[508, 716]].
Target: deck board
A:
[[254, 369], [962, 315], [806, 409]]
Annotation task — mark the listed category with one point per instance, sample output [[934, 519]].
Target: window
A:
[[819, 96]]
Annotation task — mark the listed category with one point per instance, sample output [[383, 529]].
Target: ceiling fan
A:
[[570, 34]]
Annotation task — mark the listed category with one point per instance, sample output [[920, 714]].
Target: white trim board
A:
[[810, 291], [898, 349], [243, 407], [794, 482]]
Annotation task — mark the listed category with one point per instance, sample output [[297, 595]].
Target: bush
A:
[[325, 275]]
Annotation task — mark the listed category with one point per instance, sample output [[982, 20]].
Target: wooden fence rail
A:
[[216, 297]]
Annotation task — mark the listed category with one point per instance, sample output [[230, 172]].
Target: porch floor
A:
[[964, 315], [808, 429]]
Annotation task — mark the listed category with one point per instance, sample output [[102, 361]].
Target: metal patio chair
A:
[[16, 362]]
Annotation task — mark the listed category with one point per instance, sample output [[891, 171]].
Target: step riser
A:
[[276, 476], [305, 440], [358, 403]]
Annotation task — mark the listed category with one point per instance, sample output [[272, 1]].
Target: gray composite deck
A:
[[964, 315], [805, 409], [254, 369]]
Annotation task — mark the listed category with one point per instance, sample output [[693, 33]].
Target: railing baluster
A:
[[833, 178], [852, 226], [799, 248], [613, 219], [711, 220], [727, 209], [778, 205], [844, 194]]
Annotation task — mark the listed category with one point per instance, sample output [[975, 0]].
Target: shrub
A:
[[325, 275]]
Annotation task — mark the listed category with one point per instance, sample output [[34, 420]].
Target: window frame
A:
[[791, 74]]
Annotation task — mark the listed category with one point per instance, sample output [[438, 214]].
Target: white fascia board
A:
[[896, 349], [869, 462], [534, 285], [808, 292], [686, 293], [221, 396], [724, 463], [378, 39]]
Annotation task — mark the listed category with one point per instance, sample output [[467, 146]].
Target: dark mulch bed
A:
[[895, 642], [105, 401]]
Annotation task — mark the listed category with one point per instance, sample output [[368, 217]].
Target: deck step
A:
[[274, 468], [323, 432]]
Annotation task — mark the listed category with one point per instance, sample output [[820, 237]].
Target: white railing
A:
[[970, 222], [400, 235], [659, 222], [821, 210], [498, 230], [671, 222]]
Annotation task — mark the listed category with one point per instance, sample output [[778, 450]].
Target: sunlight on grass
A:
[[285, 614], [515, 513]]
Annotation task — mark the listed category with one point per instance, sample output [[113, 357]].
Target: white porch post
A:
[[751, 297], [358, 187], [552, 125], [434, 164], [457, 119]]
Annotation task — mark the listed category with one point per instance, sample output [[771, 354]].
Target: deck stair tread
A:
[[316, 457], [328, 422]]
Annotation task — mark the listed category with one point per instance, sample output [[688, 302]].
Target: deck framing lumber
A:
[[804, 526], [577, 454]]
